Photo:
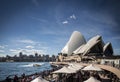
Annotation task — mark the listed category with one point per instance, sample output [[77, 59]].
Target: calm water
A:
[[7, 68]]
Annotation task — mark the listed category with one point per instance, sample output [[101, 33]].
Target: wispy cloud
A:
[[2, 55], [29, 47], [49, 32], [69, 19], [73, 16], [27, 51], [39, 19], [26, 41], [65, 22], [116, 38], [15, 50], [57, 32], [2, 47], [1, 51], [117, 51]]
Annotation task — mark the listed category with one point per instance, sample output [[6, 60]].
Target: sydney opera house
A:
[[77, 46]]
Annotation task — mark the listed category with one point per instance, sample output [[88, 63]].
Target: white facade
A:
[[105, 46], [77, 45], [78, 49], [115, 61], [107, 49], [74, 42], [91, 43]]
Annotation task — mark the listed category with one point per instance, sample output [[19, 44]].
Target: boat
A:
[[10, 61], [54, 65], [36, 65]]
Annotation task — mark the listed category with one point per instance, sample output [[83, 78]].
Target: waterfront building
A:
[[77, 49], [20, 55], [28, 58]]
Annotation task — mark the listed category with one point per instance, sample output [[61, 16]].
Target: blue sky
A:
[[44, 26]]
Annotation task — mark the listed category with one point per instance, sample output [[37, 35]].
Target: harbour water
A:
[[8, 68]]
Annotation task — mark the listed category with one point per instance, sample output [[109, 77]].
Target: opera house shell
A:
[[95, 46], [74, 42], [107, 49]]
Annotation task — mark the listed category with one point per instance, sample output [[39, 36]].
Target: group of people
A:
[[28, 78], [82, 76]]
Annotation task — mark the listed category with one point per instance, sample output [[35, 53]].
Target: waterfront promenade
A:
[[105, 67], [79, 76]]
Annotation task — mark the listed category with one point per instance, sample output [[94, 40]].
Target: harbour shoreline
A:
[[43, 74], [46, 74]]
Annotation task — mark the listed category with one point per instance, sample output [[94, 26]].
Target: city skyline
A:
[[28, 58], [44, 26]]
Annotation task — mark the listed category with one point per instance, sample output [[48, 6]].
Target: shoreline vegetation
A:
[[79, 76]]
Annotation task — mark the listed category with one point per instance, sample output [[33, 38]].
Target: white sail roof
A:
[[75, 65], [74, 42], [65, 70], [78, 45], [92, 79], [85, 48], [107, 49], [106, 46], [89, 46], [73, 68], [78, 49], [39, 79], [92, 67]]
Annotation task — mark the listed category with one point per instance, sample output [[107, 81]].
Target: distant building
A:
[[36, 55], [26, 58], [20, 55]]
